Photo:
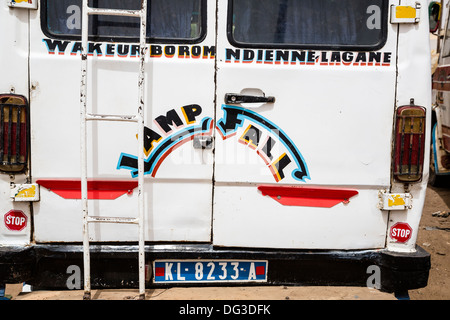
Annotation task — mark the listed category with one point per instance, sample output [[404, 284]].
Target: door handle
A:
[[235, 98]]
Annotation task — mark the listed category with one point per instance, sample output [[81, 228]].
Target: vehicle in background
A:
[[440, 137]]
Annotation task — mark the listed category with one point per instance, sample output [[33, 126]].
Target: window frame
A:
[[118, 39], [377, 46]]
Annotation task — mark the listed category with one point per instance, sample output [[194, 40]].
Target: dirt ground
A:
[[434, 236], [214, 294]]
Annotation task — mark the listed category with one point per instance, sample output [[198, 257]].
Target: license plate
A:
[[172, 271]]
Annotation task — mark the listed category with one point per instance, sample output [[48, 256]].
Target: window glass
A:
[[168, 19], [335, 23]]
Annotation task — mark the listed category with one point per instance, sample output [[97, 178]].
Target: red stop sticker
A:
[[15, 220], [401, 232]]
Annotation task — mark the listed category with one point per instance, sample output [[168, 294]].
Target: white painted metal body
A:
[[339, 118], [14, 51]]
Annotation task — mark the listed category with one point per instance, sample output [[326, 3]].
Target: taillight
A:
[[13, 132], [409, 143]]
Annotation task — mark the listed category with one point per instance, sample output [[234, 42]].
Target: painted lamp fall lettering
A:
[[259, 134], [234, 118]]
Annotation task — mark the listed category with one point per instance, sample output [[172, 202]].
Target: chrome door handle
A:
[[234, 98]]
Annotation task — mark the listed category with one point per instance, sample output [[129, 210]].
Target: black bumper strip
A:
[[49, 266]]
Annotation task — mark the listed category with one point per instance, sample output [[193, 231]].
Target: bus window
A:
[[359, 24], [168, 20]]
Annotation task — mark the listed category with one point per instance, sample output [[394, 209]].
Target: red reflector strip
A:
[[97, 189], [307, 196]]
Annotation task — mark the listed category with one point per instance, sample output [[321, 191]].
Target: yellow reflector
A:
[[405, 12], [396, 200]]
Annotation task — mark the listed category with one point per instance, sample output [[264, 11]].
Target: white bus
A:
[[228, 142]]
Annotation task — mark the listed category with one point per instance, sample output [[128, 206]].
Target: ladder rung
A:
[[111, 117], [114, 12], [112, 219]]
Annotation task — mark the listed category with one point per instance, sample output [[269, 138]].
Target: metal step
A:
[[113, 219], [111, 117], [114, 12]]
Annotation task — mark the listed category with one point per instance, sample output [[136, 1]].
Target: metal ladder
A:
[[138, 118]]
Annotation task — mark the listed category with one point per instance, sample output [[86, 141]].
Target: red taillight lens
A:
[[13, 132], [409, 143]]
